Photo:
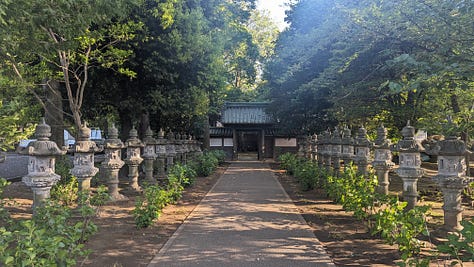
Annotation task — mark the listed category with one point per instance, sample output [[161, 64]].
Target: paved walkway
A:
[[247, 219]]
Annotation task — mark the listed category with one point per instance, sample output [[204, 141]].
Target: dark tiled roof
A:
[[246, 113], [227, 132], [220, 132]]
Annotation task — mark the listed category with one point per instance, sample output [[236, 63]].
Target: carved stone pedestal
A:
[[113, 163], [41, 164]]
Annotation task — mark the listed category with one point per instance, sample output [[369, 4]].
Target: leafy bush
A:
[[206, 164], [460, 245], [149, 207], [183, 174], [219, 155], [308, 176], [51, 238], [289, 162], [384, 215], [66, 190]]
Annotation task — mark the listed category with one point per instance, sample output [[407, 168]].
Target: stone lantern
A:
[[188, 148], [133, 160], [383, 160], [322, 149], [41, 164], [326, 149], [160, 149], [336, 150], [113, 163], [301, 144], [149, 155], [410, 161], [362, 147], [308, 147], [178, 145], [197, 147], [314, 147], [319, 150], [184, 148], [170, 151], [451, 179], [347, 143], [84, 150]]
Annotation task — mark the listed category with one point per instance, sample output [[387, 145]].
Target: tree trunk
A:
[[54, 112], [143, 125], [206, 136], [125, 124]]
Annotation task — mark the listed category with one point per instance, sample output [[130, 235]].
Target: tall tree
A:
[[372, 61], [183, 67], [44, 41]]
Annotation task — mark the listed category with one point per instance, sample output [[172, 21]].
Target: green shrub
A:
[[219, 155], [308, 176], [51, 238], [183, 174], [289, 162], [460, 245], [66, 190], [207, 163], [149, 207]]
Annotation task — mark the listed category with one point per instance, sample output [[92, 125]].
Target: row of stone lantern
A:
[[329, 149], [42, 152]]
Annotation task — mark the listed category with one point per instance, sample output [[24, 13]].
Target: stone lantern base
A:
[[41, 186]]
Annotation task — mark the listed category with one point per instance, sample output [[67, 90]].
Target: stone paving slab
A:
[[247, 219]]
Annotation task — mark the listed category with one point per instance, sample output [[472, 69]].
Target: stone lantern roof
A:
[[408, 143], [361, 139], [347, 137], [133, 140], [149, 140], [42, 146], [113, 141], [382, 142]]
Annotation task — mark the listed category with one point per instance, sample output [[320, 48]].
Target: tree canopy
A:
[[169, 62], [357, 62]]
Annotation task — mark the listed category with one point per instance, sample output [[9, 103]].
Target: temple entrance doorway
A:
[[247, 145], [248, 142]]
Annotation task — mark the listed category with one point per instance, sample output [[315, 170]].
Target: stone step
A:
[[247, 156]]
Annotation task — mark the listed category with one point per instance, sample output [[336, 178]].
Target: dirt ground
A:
[[119, 243]]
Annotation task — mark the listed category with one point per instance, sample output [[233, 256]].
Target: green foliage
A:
[[189, 57], [308, 175], [289, 162], [4, 215], [460, 245], [206, 163], [384, 215], [66, 190], [219, 155], [148, 208], [13, 121], [52, 238], [354, 62], [182, 174], [47, 41], [354, 191], [401, 227]]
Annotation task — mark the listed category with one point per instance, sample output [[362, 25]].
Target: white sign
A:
[[285, 142], [216, 142], [228, 142]]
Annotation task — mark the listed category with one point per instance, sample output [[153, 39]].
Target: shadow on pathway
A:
[[247, 219]]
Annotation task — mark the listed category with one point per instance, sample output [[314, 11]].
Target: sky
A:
[[276, 9]]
